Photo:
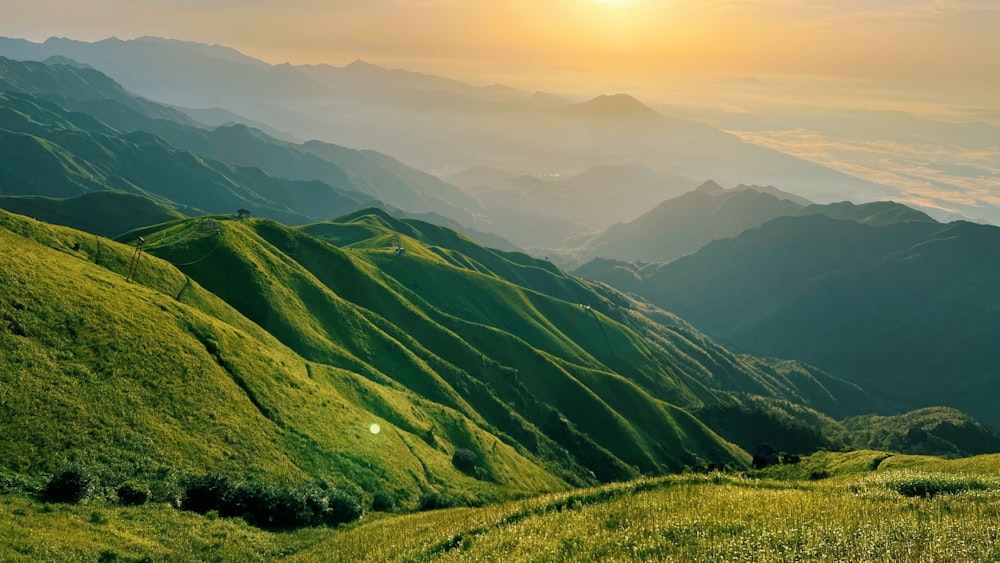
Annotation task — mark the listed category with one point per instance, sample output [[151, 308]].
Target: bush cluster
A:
[[439, 500], [465, 460], [383, 502], [132, 493], [269, 506], [71, 485], [918, 484]]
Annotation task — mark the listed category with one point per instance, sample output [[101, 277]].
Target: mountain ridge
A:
[[684, 224], [892, 306], [507, 131]]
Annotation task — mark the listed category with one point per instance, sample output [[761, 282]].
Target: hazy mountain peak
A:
[[546, 100], [710, 187], [360, 65], [214, 50], [612, 104], [61, 60], [236, 130], [771, 190]]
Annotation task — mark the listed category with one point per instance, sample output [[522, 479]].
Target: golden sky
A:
[[892, 39]]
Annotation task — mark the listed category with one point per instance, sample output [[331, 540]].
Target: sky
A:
[[625, 40]]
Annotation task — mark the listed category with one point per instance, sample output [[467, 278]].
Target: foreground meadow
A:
[[703, 519], [924, 510]]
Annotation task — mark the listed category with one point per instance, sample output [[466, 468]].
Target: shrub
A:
[[435, 501], [917, 484], [208, 492], [284, 509], [98, 518], [272, 507], [790, 459], [763, 456], [342, 507], [252, 501], [465, 460], [383, 502], [72, 485], [132, 493]]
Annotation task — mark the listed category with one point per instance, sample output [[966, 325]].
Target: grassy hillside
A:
[[106, 213], [561, 379], [160, 379], [561, 394], [863, 515], [450, 347], [50, 151]]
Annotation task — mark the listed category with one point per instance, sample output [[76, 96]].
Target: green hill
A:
[[163, 378], [106, 213], [160, 379], [467, 339], [49, 151], [547, 379]]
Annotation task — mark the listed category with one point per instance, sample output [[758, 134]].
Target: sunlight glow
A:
[[613, 3]]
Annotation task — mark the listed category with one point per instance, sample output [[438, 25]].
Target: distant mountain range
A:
[[352, 178], [544, 211], [903, 306], [49, 151], [439, 124], [688, 222]]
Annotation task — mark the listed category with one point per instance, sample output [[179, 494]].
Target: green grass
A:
[[981, 464], [924, 484], [823, 464], [862, 514], [714, 517], [99, 531], [132, 382], [455, 334], [106, 213], [695, 518]]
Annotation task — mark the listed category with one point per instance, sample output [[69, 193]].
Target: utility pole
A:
[[134, 264]]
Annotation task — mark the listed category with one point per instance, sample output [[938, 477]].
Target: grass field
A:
[[860, 515]]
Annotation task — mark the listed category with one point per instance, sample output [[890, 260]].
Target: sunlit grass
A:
[[694, 518], [716, 517]]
